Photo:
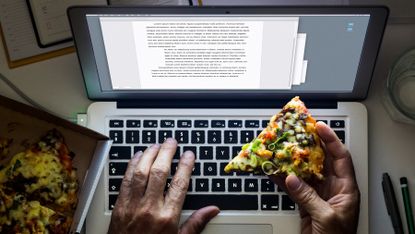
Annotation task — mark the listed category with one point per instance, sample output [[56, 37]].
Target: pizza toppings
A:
[[38, 188], [289, 144]]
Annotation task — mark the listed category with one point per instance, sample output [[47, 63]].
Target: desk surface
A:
[[390, 148]]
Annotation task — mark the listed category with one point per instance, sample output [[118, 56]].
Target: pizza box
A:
[[25, 125]]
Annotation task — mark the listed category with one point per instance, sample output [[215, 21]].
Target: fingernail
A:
[[188, 154], [169, 140], [293, 182]]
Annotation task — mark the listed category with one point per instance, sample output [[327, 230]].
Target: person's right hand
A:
[[332, 206]]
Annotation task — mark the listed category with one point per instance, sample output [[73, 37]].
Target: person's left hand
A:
[[142, 207]]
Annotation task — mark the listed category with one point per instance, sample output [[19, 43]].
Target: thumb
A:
[[305, 196], [198, 220]]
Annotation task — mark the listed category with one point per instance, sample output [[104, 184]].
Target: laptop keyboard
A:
[[214, 142]]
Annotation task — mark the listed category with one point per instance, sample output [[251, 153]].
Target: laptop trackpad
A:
[[238, 229]]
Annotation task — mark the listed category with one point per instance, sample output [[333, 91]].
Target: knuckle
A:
[[179, 184], [166, 220], [140, 174], [160, 171], [146, 213]]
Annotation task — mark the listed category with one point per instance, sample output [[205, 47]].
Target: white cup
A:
[[399, 95]]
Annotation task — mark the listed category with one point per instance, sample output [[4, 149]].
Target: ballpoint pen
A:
[[391, 204], [407, 204]]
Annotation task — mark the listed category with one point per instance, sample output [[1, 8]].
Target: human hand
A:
[[332, 205], [142, 207]]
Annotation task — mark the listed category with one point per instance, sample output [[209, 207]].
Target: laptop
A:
[[211, 77]]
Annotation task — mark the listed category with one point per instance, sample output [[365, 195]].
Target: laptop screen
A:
[[319, 53], [227, 53]]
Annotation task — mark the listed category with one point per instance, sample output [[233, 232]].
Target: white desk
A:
[[58, 85]]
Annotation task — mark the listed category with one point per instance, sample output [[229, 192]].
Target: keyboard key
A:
[[201, 124], [210, 169], [111, 201], [190, 148], [267, 185], [251, 185], [133, 123], [167, 123], [270, 202], [206, 152], [247, 136], [116, 123], [177, 153], [341, 135], [242, 173], [222, 169], [224, 202], [117, 168], [214, 137], [258, 132], [287, 203], [337, 123], [235, 185], [198, 137], [222, 152], [217, 123], [168, 183], [132, 136], [150, 123], [184, 123], [173, 168], [190, 188], [139, 148], [181, 136], [202, 185], [322, 120], [116, 136], [163, 135], [120, 152], [264, 123], [235, 123], [149, 136], [236, 150], [218, 185], [231, 137], [114, 184], [251, 123], [196, 169]]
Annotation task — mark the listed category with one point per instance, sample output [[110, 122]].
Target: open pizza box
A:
[[25, 125]]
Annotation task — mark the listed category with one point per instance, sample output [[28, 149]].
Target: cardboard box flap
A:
[[90, 184], [43, 115]]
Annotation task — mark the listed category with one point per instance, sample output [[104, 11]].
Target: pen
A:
[[407, 205], [391, 204]]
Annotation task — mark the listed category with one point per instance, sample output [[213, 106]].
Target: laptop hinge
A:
[[312, 104]]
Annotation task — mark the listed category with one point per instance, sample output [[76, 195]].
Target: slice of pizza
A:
[[19, 215], [289, 144], [44, 173]]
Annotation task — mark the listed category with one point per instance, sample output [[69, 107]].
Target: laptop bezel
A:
[[234, 98]]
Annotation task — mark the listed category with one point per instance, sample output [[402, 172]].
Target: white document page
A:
[[201, 52], [304, 72], [299, 57]]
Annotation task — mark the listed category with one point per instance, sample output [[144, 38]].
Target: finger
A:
[[142, 170], [161, 169], [125, 190], [178, 187], [341, 160], [305, 196], [128, 176], [279, 180], [198, 220]]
